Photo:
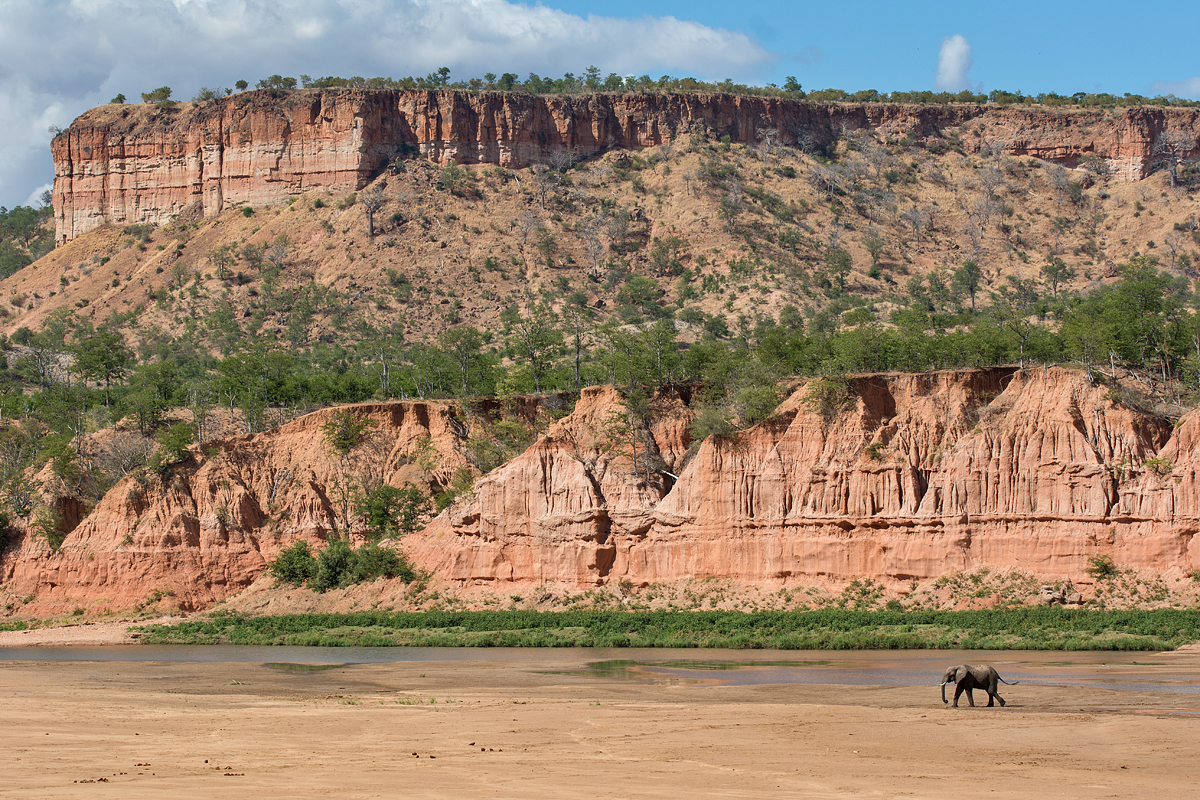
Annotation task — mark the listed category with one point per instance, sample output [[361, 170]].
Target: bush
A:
[[344, 431], [373, 561], [46, 522], [1101, 567], [295, 565], [335, 566], [390, 511], [173, 446]]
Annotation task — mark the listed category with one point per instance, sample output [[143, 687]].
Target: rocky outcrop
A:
[[127, 164], [916, 476]]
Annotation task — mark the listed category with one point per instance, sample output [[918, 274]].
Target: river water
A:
[[1163, 673]]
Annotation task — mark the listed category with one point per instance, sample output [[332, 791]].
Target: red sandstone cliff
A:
[[126, 164], [208, 529], [915, 477], [922, 475]]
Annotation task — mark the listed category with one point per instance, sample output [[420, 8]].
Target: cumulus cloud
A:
[[954, 64], [1189, 88], [60, 57]]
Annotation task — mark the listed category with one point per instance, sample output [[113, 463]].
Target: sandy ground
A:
[[529, 728]]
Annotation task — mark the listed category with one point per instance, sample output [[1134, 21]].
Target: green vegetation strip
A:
[[831, 629]]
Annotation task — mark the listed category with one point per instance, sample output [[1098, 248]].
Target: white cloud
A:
[[60, 57], [35, 197], [1187, 88], [954, 64]]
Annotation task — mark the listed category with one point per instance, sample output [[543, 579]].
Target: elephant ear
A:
[[960, 674]]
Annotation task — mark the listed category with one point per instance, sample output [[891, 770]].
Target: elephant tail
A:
[[1010, 683]]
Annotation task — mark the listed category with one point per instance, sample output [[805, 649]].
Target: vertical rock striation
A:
[[917, 476]]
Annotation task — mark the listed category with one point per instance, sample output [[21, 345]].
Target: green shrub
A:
[[335, 566], [46, 522], [338, 565], [173, 447], [1101, 567], [372, 561], [295, 565], [390, 511], [344, 431]]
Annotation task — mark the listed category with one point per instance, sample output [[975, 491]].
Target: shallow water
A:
[[1145, 672]]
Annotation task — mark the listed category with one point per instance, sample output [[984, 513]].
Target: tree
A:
[[838, 263], [159, 95], [372, 200], [590, 234], [464, 346], [103, 356], [966, 280], [1056, 271], [731, 206], [241, 86], [390, 512], [919, 218], [223, 258], [345, 430], [277, 82], [577, 318], [537, 339], [1170, 149], [875, 247]]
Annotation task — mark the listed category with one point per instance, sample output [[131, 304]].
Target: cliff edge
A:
[[124, 164]]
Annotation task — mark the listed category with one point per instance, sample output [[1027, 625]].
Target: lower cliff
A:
[[913, 477], [892, 477]]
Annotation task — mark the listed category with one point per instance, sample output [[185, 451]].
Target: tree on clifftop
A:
[[159, 95]]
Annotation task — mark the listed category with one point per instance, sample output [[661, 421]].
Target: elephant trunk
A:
[[944, 700]]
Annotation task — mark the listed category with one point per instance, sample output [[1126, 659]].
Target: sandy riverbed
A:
[[512, 728]]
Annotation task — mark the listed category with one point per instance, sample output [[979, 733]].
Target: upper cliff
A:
[[133, 164]]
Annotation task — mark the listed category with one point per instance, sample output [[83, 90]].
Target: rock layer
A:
[[128, 164]]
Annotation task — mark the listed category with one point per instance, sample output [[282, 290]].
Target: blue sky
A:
[[60, 57]]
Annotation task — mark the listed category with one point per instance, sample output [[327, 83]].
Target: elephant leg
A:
[[958, 690], [991, 700], [994, 690], [970, 697]]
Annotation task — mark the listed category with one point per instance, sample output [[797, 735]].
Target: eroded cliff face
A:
[[126, 164], [208, 528], [916, 477], [903, 477]]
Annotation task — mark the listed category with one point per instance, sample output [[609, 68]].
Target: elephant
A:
[[967, 677]]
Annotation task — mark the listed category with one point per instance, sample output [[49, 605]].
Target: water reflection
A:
[[1123, 671]]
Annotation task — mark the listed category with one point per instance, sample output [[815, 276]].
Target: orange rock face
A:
[[127, 164], [208, 529], [898, 478], [917, 476]]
